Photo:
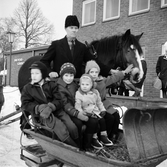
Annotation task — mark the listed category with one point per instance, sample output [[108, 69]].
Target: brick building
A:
[[100, 18]]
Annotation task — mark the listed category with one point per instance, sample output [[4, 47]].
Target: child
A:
[[40, 97], [112, 116], [89, 103], [67, 88]]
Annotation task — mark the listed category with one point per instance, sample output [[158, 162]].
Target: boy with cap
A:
[[67, 88], [69, 49], [111, 116], [89, 103], [41, 98]]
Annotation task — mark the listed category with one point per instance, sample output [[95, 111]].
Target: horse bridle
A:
[[92, 49]]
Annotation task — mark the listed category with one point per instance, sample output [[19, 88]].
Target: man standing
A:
[[69, 49]]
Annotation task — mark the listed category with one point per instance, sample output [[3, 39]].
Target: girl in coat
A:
[[88, 102], [41, 98], [112, 116]]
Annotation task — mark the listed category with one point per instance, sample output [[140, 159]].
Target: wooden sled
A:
[[73, 156], [145, 132], [145, 135]]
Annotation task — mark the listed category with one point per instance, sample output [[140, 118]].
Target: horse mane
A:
[[105, 46], [109, 49]]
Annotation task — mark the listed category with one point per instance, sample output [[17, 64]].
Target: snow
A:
[[10, 134]]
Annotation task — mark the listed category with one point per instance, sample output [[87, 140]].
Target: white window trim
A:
[[138, 12], [104, 12], [83, 10], [163, 5]]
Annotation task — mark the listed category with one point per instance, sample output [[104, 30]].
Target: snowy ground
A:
[[10, 134]]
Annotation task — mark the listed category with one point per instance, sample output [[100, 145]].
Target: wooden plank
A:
[[131, 102], [73, 156]]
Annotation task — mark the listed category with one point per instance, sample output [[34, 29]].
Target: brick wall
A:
[[152, 23]]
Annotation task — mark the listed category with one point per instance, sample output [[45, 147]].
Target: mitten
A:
[[46, 112], [40, 108], [103, 113], [82, 117], [52, 106]]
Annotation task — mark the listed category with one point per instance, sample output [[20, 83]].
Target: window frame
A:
[[163, 4], [83, 12], [104, 12], [137, 12]]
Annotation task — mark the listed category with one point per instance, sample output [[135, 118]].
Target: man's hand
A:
[[53, 75]]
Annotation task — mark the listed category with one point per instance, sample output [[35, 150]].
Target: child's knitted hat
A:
[[67, 68], [91, 64]]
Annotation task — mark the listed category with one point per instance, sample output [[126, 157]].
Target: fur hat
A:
[[91, 64], [67, 68], [87, 77], [71, 20], [39, 65]]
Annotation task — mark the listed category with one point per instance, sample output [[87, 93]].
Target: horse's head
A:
[[120, 51], [130, 53]]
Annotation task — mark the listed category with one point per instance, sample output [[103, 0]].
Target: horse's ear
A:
[[126, 35], [139, 36]]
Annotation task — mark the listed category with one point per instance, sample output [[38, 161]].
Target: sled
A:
[[73, 156], [146, 134], [145, 137]]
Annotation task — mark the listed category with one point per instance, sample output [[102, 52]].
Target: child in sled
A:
[[41, 98], [88, 102], [111, 117]]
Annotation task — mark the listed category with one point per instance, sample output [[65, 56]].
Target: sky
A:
[[54, 10]]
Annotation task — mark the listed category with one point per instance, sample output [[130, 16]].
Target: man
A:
[[69, 49], [161, 70]]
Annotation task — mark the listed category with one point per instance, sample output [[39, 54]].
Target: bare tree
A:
[[6, 25], [31, 25]]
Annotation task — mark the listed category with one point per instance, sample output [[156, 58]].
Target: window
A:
[[111, 9], [138, 6], [163, 3], [89, 12]]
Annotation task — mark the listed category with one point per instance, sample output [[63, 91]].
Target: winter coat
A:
[[89, 102], [59, 52], [34, 94], [101, 85], [67, 92], [161, 70]]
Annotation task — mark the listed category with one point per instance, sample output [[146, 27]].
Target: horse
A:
[[120, 51]]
